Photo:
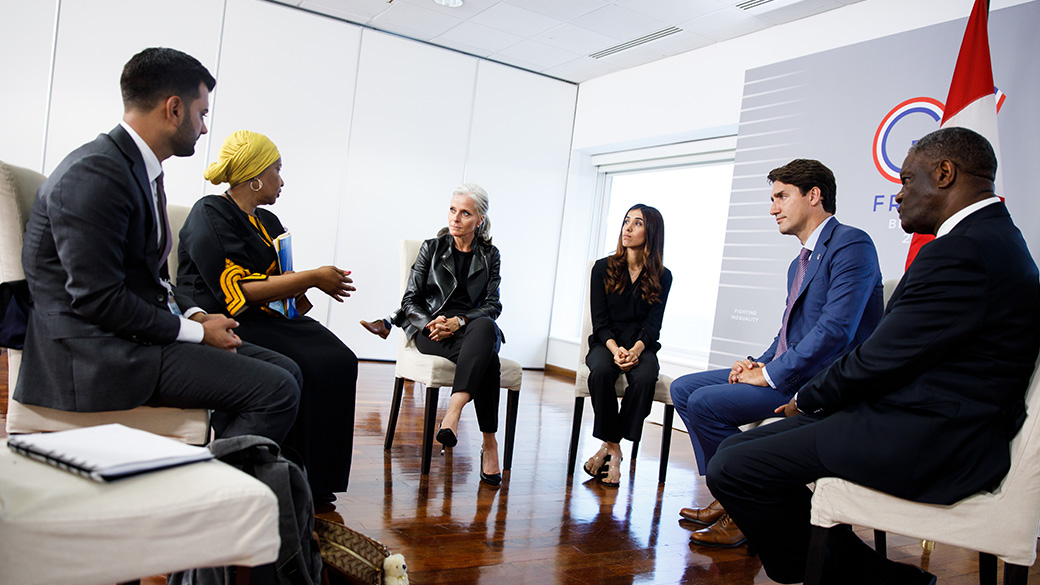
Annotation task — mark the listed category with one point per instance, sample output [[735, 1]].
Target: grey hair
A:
[[479, 196], [967, 149]]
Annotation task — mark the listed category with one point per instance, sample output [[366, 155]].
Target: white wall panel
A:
[[290, 75], [95, 39], [26, 42], [407, 153], [519, 147]]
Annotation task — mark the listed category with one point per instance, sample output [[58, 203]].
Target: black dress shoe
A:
[[377, 327], [488, 478], [447, 438]]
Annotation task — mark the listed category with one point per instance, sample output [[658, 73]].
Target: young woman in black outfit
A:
[[451, 304], [628, 291]]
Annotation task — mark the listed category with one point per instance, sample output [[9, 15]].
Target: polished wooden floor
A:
[[540, 526]]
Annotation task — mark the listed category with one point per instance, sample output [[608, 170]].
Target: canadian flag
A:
[[973, 100]]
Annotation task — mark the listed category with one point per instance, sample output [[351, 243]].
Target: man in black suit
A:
[[926, 407], [105, 331]]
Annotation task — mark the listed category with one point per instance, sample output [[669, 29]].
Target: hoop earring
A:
[[259, 180]]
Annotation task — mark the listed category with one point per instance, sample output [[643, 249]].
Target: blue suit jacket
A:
[[838, 306]]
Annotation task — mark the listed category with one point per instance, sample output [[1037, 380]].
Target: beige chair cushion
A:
[[1003, 523], [56, 527], [431, 370]]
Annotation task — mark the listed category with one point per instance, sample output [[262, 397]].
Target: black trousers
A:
[[760, 478], [612, 424], [323, 432], [255, 391], [474, 351]]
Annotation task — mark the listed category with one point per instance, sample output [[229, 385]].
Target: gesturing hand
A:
[[217, 332], [334, 282]]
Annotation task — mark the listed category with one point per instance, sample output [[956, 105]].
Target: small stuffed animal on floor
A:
[[395, 572]]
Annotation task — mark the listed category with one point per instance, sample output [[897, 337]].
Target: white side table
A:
[[59, 528]]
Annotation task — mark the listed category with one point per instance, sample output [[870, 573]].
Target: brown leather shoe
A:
[[722, 534], [704, 516], [376, 327]]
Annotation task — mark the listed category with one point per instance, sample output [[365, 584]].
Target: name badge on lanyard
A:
[[170, 300]]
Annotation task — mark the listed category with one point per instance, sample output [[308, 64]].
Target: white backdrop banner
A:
[[857, 109]]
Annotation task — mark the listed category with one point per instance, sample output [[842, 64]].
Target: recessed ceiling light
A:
[[449, 3]]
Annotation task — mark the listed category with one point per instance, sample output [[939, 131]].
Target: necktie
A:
[[165, 237], [796, 287]]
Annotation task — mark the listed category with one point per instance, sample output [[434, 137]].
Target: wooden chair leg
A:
[[881, 543], [666, 441], [816, 556], [988, 569], [572, 455], [1015, 574], [429, 423], [395, 411], [512, 407]]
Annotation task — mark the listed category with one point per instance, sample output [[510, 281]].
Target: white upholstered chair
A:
[[18, 188], [435, 372], [1002, 524], [662, 394]]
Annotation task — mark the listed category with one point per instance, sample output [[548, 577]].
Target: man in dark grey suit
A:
[[105, 331], [926, 407]]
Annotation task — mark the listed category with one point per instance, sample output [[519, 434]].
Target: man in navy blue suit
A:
[[834, 302], [926, 407]]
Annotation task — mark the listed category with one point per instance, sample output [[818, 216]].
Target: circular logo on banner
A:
[[914, 107]]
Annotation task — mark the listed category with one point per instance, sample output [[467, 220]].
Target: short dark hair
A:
[[968, 149], [806, 173], [156, 73]]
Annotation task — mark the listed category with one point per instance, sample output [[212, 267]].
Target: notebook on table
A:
[[107, 452]]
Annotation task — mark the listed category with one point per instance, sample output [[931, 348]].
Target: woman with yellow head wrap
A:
[[229, 264]]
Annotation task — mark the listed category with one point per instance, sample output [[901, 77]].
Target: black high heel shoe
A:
[[447, 438], [488, 478]]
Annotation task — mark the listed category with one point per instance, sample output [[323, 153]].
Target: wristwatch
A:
[[462, 321]]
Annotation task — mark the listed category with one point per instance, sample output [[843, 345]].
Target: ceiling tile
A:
[[468, 9], [560, 9], [539, 53], [576, 39], [672, 11], [463, 47], [478, 35], [621, 23], [367, 8], [430, 23], [796, 11], [517, 62], [516, 20], [581, 69], [727, 23]]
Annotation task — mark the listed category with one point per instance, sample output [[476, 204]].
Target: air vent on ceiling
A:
[[749, 4], [636, 42]]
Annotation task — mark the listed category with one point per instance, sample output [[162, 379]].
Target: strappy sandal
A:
[[596, 466], [612, 477]]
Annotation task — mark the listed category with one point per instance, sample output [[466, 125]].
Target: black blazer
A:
[[928, 404], [432, 281], [91, 258]]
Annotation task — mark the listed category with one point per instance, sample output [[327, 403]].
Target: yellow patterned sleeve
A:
[[230, 283]]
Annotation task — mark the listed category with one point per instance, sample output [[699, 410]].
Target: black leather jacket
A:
[[433, 280]]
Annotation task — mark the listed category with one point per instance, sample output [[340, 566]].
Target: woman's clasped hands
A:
[[442, 327]]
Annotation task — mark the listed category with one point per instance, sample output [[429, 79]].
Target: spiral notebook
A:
[[107, 452]]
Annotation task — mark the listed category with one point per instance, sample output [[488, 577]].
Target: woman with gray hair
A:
[[450, 305]]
